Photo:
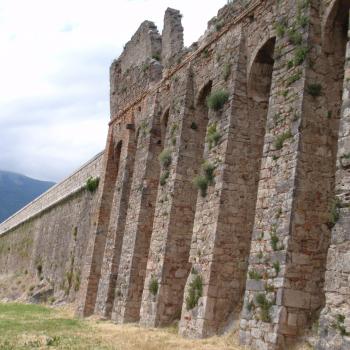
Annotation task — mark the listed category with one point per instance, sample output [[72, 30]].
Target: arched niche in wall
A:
[[116, 155], [203, 94], [334, 40], [164, 120], [335, 27], [200, 117], [260, 74], [259, 91]]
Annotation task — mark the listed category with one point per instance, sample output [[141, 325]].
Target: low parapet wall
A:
[[55, 194]]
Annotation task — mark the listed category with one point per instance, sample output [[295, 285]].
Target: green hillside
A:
[[18, 190]]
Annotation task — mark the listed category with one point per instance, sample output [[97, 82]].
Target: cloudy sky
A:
[[54, 62]]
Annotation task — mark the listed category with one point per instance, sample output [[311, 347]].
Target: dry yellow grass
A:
[[132, 337], [24, 326], [135, 337]]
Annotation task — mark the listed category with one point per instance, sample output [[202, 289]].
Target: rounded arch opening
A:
[[335, 28], [117, 153], [258, 96], [200, 117], [334, 39], [164, 120], [203, 94], [260, 75]]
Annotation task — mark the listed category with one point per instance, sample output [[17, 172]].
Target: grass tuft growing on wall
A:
[[334, 214], [254, 275], [280, 139], [153, 286], [164, 177], [217, 99], [339, 325], [314, 89], [165, 158], [92, 184], [264, 306], [207, 178], [213, 135], [194, 292], [201, 183]]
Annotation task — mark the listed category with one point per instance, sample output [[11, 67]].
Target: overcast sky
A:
[[54, 62]]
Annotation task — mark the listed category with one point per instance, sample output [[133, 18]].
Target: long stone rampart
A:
[[56, 194]]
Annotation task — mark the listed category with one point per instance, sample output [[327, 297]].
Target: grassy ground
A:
[[37, 327]]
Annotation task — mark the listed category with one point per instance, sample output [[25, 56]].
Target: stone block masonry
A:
[[72, 184], [47, 238], [223, 200]]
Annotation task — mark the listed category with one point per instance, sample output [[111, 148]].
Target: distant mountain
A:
[[18, 190]]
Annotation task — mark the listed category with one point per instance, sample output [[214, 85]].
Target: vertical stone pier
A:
[[291, 233], [168, 265], [221, 234], [100, 223], [262, 309], [114, 239], [139, 221], [334, 324]]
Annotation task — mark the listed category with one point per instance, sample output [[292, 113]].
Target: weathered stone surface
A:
[[297, 299], [335, 317], [48, 238], [42, 293], [261, 238], [172, 37]]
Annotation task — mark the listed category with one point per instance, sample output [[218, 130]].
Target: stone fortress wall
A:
[[234, 212], [56, 194], [48, 236]]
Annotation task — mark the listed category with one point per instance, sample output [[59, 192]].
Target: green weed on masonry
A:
[[92, 184], [153, 286], [213, 135], [194, 292], [165, 158], [280, 139], [217, 99], [264, 306]]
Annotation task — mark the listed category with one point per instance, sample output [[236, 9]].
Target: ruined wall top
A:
[[172, 36], [149, 57], [146, 42]]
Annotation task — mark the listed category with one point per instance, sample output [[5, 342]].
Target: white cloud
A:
[[55, 58]]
